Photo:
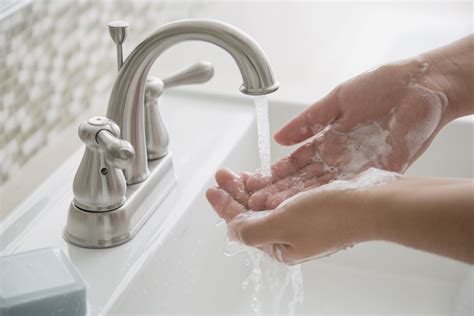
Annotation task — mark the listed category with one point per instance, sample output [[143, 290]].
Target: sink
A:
[[176, 264]]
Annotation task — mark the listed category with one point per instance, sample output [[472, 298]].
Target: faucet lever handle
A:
[[102, 135], [117, 152], [155, 131], [99, 184], [200, 72]]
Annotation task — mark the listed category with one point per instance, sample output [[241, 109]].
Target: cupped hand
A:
[[311, 224], [385, 118]]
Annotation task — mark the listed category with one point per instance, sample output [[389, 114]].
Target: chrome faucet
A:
[[133, 106], [126, 101]]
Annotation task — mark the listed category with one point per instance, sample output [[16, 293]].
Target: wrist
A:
[[371, 218], [382, 204], [449, 69]]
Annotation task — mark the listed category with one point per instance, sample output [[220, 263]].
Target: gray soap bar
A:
[[40, 282]]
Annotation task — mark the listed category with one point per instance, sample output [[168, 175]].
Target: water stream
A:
[[263, 128], [268, 277]]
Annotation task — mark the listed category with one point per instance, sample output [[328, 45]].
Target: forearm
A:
[[435, 215], [451, 67]]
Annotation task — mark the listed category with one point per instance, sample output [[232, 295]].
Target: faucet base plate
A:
[[113, 228]]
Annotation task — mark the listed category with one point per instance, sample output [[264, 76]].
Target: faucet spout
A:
[[126, 101]]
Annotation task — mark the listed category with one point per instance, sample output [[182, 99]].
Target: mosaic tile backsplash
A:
[[57, 60]]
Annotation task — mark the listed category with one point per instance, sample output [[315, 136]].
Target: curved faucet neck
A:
[[126, 103]]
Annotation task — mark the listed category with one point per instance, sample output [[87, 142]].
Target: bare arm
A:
[[435, 215], [454, 72], [430, 214]]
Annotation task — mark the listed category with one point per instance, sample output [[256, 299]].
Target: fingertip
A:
[[224, 204], [256, 230], [257, 201], [274, 201], [212, 195], [225, 171], [281, 139], [294, 132], [245, 176], [220, 174], [224, 176], [257, 181]]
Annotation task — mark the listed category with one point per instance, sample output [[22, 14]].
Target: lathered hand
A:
[[374, 205], [385, 118]]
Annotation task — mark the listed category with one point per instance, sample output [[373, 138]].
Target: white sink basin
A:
[[176, 263]]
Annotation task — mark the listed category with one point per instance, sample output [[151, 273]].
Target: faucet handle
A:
[[117, 152], [99, 184], [155, 131], [200, 72]]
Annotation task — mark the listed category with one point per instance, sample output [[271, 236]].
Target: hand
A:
[[435, 215], [385, 118], [317, 222]]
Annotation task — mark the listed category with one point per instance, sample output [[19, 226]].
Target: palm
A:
[[384, 118]]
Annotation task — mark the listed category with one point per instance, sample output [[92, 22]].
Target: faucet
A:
[[127, 97], [133, 137]]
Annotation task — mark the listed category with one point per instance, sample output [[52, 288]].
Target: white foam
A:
[[418, 135], [303, 130], [424, 68], [373, 144], [366, 145], [364, 180]]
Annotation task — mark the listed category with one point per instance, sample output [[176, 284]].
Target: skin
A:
[[387, 105], [322, 222]]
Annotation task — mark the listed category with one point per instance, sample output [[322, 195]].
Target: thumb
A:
[[257, 229], [313, 120]]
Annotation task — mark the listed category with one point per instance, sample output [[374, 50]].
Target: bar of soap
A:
[[41, 282]]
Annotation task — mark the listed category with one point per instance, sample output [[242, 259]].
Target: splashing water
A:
[[266, 273]]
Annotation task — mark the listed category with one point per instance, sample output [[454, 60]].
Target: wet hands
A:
[[385, 118], [314, 223]]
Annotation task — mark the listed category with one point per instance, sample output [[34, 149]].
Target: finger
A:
[[225, 205], [257, 230], [255, 181], [245, 176], [311, 121], [259, 200], [233, 184]]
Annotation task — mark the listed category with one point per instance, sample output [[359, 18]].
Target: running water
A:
[[266, 273], [263, 128]]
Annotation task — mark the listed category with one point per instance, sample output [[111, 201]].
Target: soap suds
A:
[[391, 141], [424, 68], [366, 179], [431, 120]]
